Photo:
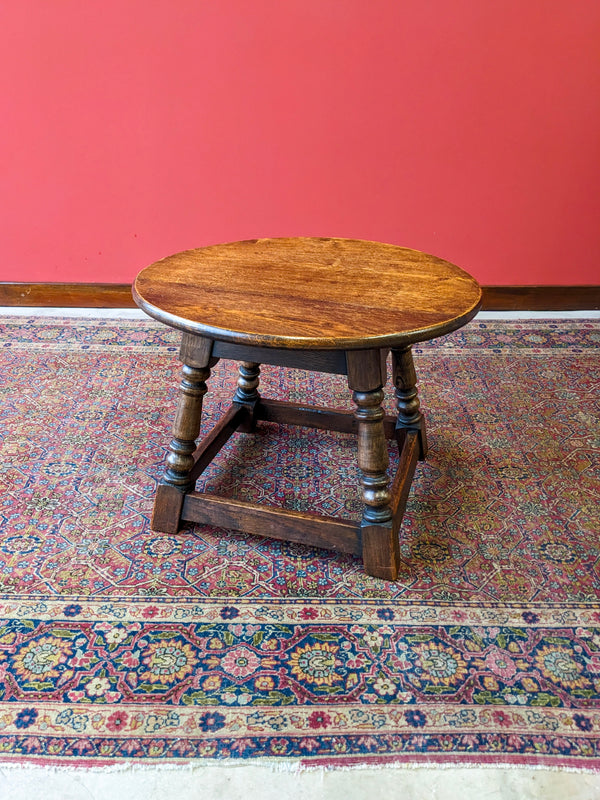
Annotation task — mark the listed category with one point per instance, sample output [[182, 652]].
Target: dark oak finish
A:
[[366, 369], [247, 395], [276, 523], [314, 360], [234, 419], [409, 455], [182, 457], [381, 549], [118, 295], [334, 305], [326, 419], [407, 398]]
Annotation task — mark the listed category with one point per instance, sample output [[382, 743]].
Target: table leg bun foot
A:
[[381, 550], [168, 504]]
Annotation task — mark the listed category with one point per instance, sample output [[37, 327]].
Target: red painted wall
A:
[[134, 128]]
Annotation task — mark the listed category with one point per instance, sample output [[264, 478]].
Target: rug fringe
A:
[[284, 766]]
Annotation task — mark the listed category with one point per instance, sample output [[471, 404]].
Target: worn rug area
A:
[[118, 644]]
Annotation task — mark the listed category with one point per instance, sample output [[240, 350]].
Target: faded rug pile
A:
[[118, 644]]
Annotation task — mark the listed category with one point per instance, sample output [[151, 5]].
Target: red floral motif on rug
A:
[[120, 644]]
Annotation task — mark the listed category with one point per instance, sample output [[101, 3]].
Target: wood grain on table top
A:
[[307, 293]]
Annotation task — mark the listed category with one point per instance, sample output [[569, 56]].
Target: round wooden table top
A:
[[307, 294]]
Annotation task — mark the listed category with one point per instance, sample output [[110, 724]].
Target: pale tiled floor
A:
[[262, 782]]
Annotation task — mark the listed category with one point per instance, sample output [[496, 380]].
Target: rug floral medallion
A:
[[119, 644]]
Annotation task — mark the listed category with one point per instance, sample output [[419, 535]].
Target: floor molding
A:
[[118, 295], [541, 298], [67, 295]]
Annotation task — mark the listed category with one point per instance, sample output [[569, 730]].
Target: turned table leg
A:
[[380, 545], [195, 353], [407, 398], [247, 391]]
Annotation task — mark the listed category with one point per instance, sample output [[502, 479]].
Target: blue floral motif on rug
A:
[[121, 644]]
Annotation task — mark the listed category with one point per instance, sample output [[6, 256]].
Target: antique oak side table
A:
[[330, 305]]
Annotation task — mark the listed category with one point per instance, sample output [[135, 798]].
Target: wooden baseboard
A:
[[118, 295], [67, 295], [541, 298]]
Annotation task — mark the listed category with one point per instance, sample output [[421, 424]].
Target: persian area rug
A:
[[120, 644]]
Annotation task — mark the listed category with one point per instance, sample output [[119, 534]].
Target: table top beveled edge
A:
[[390, 340]]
